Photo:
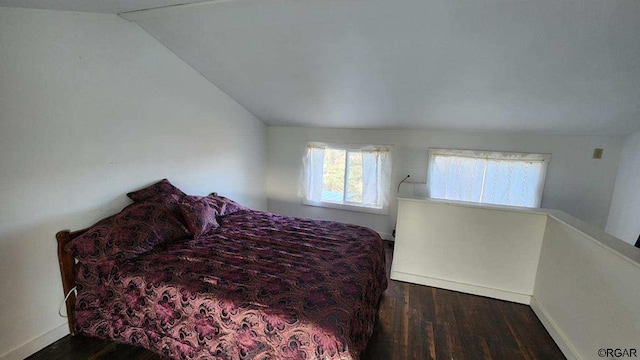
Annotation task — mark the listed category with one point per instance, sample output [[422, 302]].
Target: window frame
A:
[[346, 205], [543, 158]]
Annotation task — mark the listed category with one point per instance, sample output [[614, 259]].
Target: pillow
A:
[[199, 214], [225, 206], [161, 189], [137, 229]]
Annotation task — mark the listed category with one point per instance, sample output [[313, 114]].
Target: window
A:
[[501, 178], [355, 177]]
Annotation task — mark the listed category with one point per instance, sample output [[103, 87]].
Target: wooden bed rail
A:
[[68, 273]]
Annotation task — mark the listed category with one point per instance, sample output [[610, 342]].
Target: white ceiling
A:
[[536, 66], [96, 6], [544, 66]]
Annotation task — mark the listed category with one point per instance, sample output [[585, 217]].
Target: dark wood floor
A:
[[414, 322]]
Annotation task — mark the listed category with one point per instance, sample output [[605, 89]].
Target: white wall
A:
[[576, 183], [624, 215], [586, 290], [486, 250], [91, 107]]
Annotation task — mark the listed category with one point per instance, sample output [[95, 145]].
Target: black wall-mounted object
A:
[[638, 242], [403, 180]]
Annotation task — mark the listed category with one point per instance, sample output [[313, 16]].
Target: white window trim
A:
[[350, 207], [384, 210], [494, 155]]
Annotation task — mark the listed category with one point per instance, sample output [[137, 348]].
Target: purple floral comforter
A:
[[261, 286]]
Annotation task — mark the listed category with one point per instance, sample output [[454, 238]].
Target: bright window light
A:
[[346, 176], [503, 178]]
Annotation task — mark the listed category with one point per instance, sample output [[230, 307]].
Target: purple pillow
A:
[[138, 228], [161, 189], [199, 214], [224, 206]]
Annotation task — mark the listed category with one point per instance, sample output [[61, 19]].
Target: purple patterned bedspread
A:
[[262, 286]]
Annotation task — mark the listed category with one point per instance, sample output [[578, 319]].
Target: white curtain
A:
[[515, 179], [310, 184], [370, 174], [376, 173]]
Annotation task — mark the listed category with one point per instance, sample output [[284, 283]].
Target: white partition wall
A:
[[586, 294], [489, 251], [583, 284]]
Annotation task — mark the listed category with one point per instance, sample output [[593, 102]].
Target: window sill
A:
[[330, 205]]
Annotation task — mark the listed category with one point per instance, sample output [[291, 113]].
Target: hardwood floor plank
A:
[[413, 322], [520, 319], [501, 350], [81, 347], [431, 341], [420, 322]]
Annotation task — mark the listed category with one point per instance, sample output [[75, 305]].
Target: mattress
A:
[[260, 286]]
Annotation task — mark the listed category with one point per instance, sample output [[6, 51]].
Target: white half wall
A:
[[91, 107], [624, 215], [576, 183], [581, 282], [485, 250], [586, 291]]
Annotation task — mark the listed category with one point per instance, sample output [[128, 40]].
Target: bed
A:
[[193, 277]]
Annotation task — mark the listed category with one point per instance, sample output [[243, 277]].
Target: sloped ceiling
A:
[[534, 66], [95, 6], [541, 66]]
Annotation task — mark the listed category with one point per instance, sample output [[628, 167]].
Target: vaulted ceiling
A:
[[536, 66], [96, 6]]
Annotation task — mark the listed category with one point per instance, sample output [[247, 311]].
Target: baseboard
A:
[[462, 287], [33, 346], [553, 329], [386, 236]]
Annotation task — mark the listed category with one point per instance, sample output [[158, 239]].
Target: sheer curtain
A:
[[502, 178], [376, 174]]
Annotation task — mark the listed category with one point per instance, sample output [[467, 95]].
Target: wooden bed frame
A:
[[68, 273]]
